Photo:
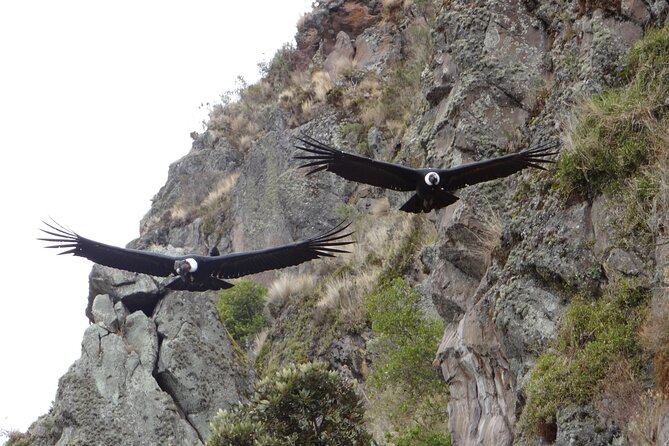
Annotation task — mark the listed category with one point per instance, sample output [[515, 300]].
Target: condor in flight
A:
[[198, 273], [432, 187]]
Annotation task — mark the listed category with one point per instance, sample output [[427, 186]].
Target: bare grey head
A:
[[432, 178], [183, 267]]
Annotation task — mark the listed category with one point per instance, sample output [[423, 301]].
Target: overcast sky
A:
[[96, 100]]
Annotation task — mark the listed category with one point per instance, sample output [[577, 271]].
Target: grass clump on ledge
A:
[[306, 405], [593, 336], [618, 133], [241, 310], [619, 142]]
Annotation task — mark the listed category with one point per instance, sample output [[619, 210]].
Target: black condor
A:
[[195, 272], [433, 187]]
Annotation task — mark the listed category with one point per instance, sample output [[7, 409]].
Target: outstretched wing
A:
[[503, 166], [355, 167], [243, 263], [121, 258]]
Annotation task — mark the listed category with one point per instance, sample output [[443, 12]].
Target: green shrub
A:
[[593, 335], [410, 338], [406, 389], [419, 436], [306, 405], [241, 310], [277, 72], [648, 58]]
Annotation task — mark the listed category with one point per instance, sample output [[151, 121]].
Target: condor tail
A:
[[436, 200], [211, 283]]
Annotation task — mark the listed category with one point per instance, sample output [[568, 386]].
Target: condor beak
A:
[[181, 267]]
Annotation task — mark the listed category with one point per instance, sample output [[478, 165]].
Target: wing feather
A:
[[243, 263], [355, 167], [500, 167], [134, 260]]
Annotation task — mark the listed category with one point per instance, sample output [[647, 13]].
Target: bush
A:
[[241, 310], [305, 405], [419, 436], [410, 338], [406, 388], [610, 142], [593, 335]]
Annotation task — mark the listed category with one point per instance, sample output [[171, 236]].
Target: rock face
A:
[[146, 381], [501, 75], [492, 63]]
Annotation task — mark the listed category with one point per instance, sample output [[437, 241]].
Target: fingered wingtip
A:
[[544, 147]]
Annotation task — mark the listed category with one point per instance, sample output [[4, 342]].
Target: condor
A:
[[198, 273], [433, 187]]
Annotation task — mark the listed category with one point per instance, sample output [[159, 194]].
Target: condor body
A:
[[196, 272]]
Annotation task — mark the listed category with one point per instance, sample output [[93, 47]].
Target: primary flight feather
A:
[[195, 272], [432, 187]]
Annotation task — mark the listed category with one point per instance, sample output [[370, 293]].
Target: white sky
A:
[[96, 100]]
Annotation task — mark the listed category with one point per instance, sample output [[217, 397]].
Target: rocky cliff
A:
[[515, 269]]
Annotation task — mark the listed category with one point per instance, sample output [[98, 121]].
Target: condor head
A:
[[184, 267], [432, 178]]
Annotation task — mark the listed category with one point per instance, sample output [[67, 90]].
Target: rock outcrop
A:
[[147, 380], [492, 64]]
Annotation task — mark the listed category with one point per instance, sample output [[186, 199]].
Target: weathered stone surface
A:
[[136, 291], [142, 385], [373, 49], [340, 58], [492, 61], [348, 355], [110, 396], [576, 425], [197, 364], [276, 203], [104, 314], [527, 318]]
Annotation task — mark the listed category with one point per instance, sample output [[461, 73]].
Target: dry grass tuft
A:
[[307, 108], [372, 239], [223, 186], [647, 427], [258, 342], [286, 95], [321, 84], [346, 292], [620, 392], [180, 213], [238, 123], [245, 142], [302, 97], [655, 339], [281, 290], [380, 207]]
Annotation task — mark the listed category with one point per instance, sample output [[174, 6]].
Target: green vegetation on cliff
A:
[[619, 145], [404, 386], [594, 336], [617, 148], [306, 405], [241, 310]]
